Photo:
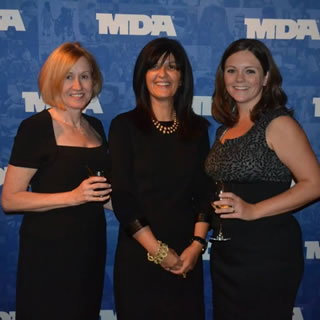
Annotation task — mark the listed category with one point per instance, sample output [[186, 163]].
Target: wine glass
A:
[[217, 189]]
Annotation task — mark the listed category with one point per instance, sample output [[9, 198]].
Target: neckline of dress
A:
[[65, 146], [236, 138]]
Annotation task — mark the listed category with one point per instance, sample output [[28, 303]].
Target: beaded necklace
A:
[[167, 130]]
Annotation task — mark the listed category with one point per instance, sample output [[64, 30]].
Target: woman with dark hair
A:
[[258, 151], [160, 147], [63, 233]]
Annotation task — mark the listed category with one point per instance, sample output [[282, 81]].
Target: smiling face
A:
[[77, 86], [163, 79], [244, 79]]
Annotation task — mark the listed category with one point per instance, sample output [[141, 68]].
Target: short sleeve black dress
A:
[[257, 273], [62, 251], [155, 178]]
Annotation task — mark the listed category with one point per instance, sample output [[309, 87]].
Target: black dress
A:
[[62, 251], [257, 273], [157, 178]]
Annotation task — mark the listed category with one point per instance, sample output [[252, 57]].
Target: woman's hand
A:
[[92, 189], [189, 258], [16, 196], [172, 261], [147, 239], [233, 207]]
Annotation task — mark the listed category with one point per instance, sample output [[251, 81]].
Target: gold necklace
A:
[[167, 130], [70, 125]]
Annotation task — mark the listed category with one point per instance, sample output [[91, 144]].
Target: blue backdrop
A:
[[115, 31]]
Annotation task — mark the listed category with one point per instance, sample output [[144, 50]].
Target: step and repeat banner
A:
[[115, 32]]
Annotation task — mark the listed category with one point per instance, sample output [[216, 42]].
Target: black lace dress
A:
[[62, 251], [257, 273]]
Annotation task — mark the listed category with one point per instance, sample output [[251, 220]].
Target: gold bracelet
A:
[[160, 255]]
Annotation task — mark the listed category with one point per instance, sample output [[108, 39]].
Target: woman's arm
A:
[[146, 238], [17, 198], [124, 200], [197, 244], [287, 139], [191, 254]]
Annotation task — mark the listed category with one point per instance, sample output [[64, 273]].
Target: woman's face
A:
[[77, 86], [244, 78], [163, 80]]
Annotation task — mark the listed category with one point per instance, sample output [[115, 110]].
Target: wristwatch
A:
[[202, 241]]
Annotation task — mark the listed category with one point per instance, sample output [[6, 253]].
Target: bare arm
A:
[[289, 142], [287, 139], [16, 197]]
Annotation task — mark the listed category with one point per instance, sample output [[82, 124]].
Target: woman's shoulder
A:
[[38, 122], [122, 128], [95, 122], [126, 115], [38, 119], [34, 141], [273, 114], [220, 130], [277, 112], [124, 118]]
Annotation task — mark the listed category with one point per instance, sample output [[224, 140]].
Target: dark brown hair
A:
[[273, 96], [191, 123]]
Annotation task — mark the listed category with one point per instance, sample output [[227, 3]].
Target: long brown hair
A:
[[273, 96], [191, 124]]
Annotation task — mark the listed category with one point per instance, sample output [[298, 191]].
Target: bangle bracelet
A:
[[202, 241], [160, 255]]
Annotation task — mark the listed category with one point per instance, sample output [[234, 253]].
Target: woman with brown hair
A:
[[159, 148], [259, 149]]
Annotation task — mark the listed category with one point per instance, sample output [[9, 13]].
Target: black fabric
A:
[[62, 251], [158, 177], [135, 226], [256, 274]]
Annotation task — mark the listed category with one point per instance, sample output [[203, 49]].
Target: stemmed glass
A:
[[217, 189]]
